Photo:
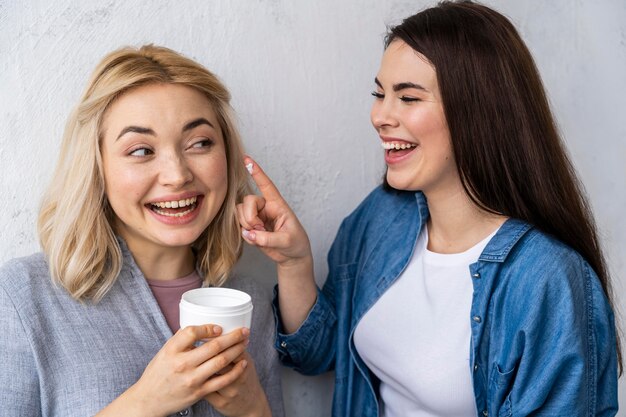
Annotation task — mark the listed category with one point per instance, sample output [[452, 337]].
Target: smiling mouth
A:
[[175, 208], [394, 146]]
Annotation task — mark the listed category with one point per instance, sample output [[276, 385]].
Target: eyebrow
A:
[[402, 86], [195, 123], [147, 131]]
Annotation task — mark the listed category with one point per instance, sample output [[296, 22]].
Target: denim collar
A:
[[499, 246]]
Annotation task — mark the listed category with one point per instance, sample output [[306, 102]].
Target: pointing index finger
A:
[[263, 182]]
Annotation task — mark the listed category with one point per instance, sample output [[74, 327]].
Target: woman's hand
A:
[[244, 397], [268, 222], [180, 374]]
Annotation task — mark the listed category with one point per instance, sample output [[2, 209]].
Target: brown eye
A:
[[204, 143], [141, 152]]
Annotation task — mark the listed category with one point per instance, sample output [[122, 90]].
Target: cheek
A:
[[123, 184], [214, 171]]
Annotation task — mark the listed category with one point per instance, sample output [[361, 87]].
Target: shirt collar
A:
[[505, 239]]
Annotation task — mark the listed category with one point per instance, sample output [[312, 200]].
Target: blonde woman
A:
[[141, 208]]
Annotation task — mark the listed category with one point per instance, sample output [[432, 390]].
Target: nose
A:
[[383, 114], [175, 171]]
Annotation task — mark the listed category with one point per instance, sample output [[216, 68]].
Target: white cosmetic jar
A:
[[228, 308]]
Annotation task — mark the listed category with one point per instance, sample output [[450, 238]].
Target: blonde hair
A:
[[75, 220]]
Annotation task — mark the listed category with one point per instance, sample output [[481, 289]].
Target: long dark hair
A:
[[508, 151]]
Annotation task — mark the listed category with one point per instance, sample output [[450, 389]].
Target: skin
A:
[[149, 155], [160, 143], [407, 111]]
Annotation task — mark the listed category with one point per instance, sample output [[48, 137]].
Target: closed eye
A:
[[378, 95], [409, 99]]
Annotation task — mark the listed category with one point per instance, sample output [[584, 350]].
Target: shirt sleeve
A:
[[267, 363], [311, 349], [19, 382], [562, 358]]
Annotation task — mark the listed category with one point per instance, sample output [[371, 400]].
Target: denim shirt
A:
[[542, 331]]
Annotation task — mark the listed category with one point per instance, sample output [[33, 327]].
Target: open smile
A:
[[175, 208], [397, 150], [176, 211]]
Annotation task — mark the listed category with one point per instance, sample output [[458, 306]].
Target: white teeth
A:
[[181, 214], [176, 203], [397, 146]]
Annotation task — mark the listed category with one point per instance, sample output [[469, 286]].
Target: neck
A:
[[163, 263], [456, 224]]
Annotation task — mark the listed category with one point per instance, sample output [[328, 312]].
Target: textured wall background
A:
[[300, 73]]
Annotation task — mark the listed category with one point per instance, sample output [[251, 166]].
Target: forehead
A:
[[158, 104], [401, 63]]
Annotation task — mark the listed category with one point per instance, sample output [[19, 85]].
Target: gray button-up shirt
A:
[[61, 357]]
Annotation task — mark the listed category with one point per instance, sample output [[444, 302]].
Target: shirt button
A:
[[485, 413], [283, 345], [477, 319], [185, 412], [475, 367], [476, 275]]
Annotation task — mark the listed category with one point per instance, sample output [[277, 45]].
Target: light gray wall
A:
[[300, 73]]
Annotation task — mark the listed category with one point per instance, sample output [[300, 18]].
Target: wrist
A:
[[129, 403], [262, 411], [296, 267], [137, 404]]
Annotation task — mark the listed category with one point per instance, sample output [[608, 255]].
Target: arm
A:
[[562, 355], [19, 381], [305, 319], [258, 391], [269, 223]]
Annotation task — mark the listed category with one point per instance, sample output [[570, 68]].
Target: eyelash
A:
[[142, 148], [405, 99], [204, 143]]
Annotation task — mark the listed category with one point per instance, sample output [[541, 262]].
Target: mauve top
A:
[[168, 294], [62, 357]]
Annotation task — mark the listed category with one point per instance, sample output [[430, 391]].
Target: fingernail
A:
[[217, 329], [244, 363], [249, 167], [259, 227], [248, 234], [245, 331]]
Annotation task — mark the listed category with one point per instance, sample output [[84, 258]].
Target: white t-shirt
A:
[[416, 337]]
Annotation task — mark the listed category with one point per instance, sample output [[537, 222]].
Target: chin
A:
[[398, 183], [180, 239]]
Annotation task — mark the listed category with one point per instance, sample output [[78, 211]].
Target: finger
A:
[[218, 345], [219, 382], [252, 207], [185, 338], [270, 240], [218, 363], [262, 181], [241, 218]]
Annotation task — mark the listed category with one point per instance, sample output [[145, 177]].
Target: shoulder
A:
[[538, 251], [543, 267], [261, 295], [256, 290], [21, 273], [380, 205]]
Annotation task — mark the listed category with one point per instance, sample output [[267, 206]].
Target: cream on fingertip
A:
[[249, 167]]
